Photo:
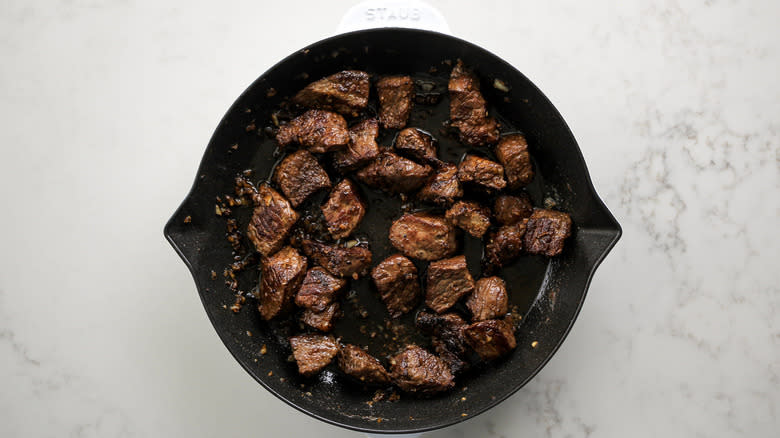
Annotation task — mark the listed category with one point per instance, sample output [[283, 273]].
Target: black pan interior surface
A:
[[548, 293]]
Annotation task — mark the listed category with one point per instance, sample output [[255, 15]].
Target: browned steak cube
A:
[[482, 172], [313, 352], [356, 362], [361, 148], [394, 174], [447, 352], [321, 320], [299, 175], [491, 339], [433, 324], [489, 299], [345, 92], [470, 216], [344, 209], [398, 285], [479, 134], [468, 109], [339, 260], [423, 236], [511, 209], [547, 229], [505, 245], [446, 331], [316, 130], [512, 152], [416, 370], [319, 289], [416, 144], [447, 281], [395, 100], [280, 277], [444, 187], [271, 221]]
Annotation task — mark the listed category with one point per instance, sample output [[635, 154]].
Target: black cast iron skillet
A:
[[548, 292]]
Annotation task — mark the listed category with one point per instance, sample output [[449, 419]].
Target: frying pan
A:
[[547, 292]]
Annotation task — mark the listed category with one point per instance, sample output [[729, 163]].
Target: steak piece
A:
[[416, 144], [433, 324], [344, 209], [468, 109], [313, 352], [482, 172], [547, 229], [416, 370], [319, 289], [444, 187], [395, 100], [321, 320], [299, 175], [271, 221], [398, 285], [470, 216], [447, 281], [316, 130], [512, 153], [505, 245], [489, 299], [491, 339], [356, 362], [339, 260], [345, 92], [280, 277], [361, 147], [446, 331], [423, 236], [511, 209], [394, 174]]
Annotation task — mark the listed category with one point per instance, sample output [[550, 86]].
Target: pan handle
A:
[[414, 14]]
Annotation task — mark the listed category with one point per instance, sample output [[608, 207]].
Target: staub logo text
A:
[[391, 14]]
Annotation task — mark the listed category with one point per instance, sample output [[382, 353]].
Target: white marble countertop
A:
[[106, 108]]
